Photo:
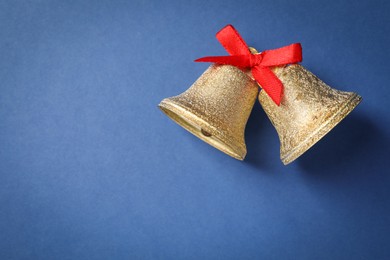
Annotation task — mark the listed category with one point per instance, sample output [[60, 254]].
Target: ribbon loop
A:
[[260, 64]]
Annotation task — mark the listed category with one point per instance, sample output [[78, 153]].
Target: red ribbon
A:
[[260, 63]]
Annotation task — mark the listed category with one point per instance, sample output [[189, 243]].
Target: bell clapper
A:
[[205, 133]]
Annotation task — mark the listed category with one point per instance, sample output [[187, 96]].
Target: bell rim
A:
[[192, 122], [324, 129]]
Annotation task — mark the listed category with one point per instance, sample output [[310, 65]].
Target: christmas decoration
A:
[[301, 107]]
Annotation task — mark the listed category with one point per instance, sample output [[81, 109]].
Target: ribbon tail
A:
[[232, 41], [238, 61], [269, 83]]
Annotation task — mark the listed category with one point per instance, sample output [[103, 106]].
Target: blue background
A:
[[91, 169]]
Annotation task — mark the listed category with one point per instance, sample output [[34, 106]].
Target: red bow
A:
[[260, 63]]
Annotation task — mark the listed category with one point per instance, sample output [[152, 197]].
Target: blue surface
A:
[[91, 169]]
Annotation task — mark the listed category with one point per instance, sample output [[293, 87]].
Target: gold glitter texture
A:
[[308, 111], [216, 108]]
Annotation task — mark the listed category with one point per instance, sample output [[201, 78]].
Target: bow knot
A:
[[255, 60], [260, 64]]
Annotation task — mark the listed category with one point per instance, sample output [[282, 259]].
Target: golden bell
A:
[[216, 108], [308, 111]]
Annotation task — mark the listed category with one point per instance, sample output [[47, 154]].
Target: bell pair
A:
[[217, 106]]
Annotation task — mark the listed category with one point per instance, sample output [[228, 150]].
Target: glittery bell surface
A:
[[309, 110], [216, 108]]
